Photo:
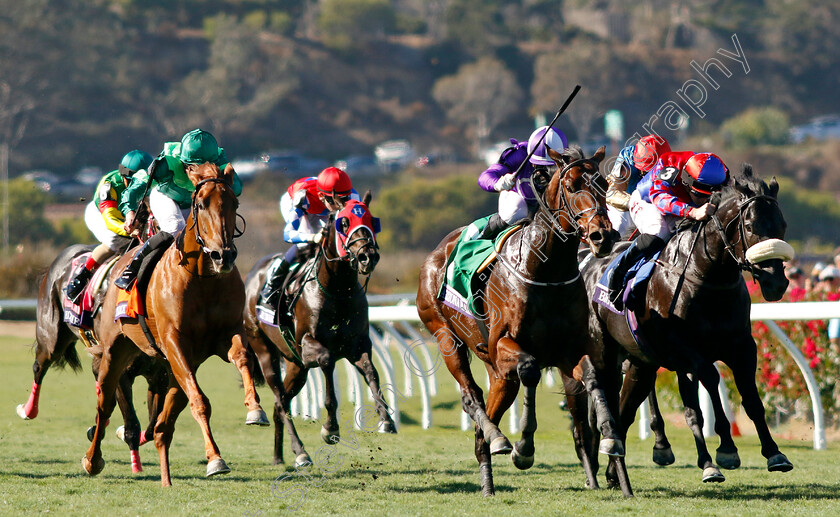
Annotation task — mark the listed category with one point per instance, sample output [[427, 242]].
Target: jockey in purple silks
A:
[[516, 198]]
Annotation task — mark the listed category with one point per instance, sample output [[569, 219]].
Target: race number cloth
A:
[[469, 257], [129, 304]]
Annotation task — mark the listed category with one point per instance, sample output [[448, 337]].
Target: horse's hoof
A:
[[611, 447], [779, 463], [330, 437], [22, 412], [387, 427], [120, 433], [488, 492], [303, 460], [728, 460], [92, 469], [712, 475], [520, 461], [663, 457], [500, 445], [257, 417], [217, 467], [90, 432]]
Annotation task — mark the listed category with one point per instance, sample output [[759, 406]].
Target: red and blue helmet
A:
[[704, 173]]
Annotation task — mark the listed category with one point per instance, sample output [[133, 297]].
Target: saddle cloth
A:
[[635, 283], [81, 315], [464, 266]]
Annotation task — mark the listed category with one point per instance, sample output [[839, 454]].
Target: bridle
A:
[[195, 226], [743, 263], [565, 205]]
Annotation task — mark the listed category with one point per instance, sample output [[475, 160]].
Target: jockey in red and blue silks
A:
[[678, 187], [516, 198], [632, 164], [306, 207]]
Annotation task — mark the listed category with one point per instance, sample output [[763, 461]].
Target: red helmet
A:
[[648, 151], [705, 174], [334, 182]]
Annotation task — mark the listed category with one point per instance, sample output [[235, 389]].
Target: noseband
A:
[[565, 205], [349, 256], [743, 263], [195, 227]]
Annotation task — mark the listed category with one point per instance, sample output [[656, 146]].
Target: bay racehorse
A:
[[697, 311], [55, 346], [193, 310], [330, 323], [534, 315]]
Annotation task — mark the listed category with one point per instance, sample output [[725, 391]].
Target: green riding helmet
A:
[[199, 146], [133, 161]]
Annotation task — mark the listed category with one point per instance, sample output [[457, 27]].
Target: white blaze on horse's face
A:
[[214, 214]]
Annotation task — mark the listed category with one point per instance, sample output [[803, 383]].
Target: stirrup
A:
[[126, 279]]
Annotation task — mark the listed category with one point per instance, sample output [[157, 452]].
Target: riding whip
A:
[[557, 116]]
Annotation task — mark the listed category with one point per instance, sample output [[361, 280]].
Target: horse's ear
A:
[[774, 187], [367, 198], [747, 170], [742, 188], [192, 172], [557, 157], [600, 153], [228, 174]]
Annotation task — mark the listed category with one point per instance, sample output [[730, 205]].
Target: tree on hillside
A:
[[479, 97], [241, 84], [596, 68], [350, 25]]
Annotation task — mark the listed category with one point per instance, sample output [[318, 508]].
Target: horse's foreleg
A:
[[662, 453], [184, 374], [158, 381], [174, 402], [611, 442], [365, 366], [582, 430], [694, 419], [514, 366], [727, 453], [238, 355], [329, 431], [131, 424], [743, 370]]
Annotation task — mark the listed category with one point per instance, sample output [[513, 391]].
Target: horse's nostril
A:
[[595, 237], [215, 255]]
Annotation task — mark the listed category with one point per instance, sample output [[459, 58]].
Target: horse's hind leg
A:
[[52, 340], [662, 453], [237, 354], [743, 370], [694, 419], [175, 402], [131, 428], [158, 380], [365, 366], [115, 359], [727, 453], [293, 382]]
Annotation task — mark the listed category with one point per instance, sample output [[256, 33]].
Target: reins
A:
[[237, 232]]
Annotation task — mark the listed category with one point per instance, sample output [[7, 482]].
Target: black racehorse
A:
[[697, 311], [330, 323], [55, 345]]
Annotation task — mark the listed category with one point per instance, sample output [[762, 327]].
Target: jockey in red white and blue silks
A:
[[678, 187]]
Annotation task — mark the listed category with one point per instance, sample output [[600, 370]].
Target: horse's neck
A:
[[709, 258], [548, 249], [337, 276]]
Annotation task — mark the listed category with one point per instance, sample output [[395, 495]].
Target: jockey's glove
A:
[[506, 182], [316, 238]]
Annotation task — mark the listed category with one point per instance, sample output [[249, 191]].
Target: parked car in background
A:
[[247, 168], [819, 128], [294, 163], [358, 165], [43, 179], [89, 176], [393, 155]]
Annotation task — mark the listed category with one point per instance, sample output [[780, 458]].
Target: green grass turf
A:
[[417, 472]]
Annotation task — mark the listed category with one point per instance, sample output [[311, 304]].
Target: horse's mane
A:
[[746, 178]]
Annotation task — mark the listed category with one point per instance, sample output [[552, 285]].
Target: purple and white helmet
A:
[[555, 139]]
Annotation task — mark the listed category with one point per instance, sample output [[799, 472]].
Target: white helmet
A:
[[555, 139]]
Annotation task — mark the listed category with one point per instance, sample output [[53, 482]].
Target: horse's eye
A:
[[748, 227]]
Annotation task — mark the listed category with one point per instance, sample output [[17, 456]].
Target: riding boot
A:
[[644, 245], [495, 226], [270, 293], [77, 285], [127, 278]]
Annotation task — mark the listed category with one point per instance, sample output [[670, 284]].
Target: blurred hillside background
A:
[[289, 87]]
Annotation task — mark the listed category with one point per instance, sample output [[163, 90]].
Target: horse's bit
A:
[[743, 263], [195, 227]]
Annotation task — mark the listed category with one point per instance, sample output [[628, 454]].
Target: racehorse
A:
[[544, 317], [55, 345], [697, 311], [193, 310], [330, 323]]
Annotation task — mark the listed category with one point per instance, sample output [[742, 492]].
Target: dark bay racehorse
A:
[[330, 323], [536, 308], [193, 309], [55, 345], [697, 311]]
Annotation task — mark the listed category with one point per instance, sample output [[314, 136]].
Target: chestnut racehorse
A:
[[330, 323], [193, 308], [536, 308]]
